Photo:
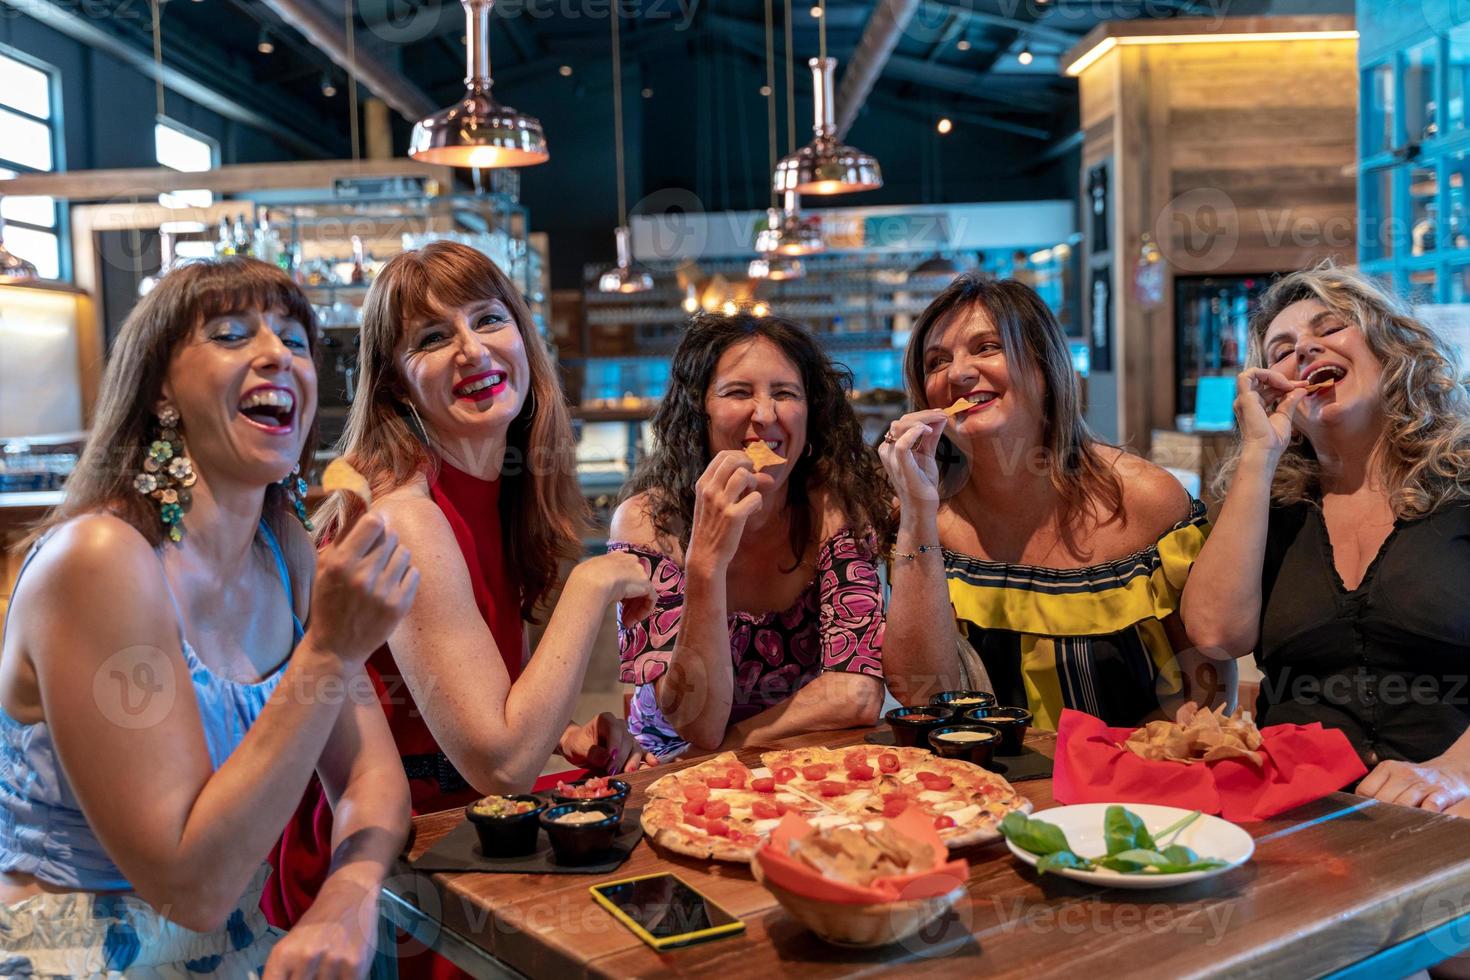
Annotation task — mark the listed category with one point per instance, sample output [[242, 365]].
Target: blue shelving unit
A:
[[1414, 144]]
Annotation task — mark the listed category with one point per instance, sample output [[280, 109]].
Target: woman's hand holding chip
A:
[[724, 499]]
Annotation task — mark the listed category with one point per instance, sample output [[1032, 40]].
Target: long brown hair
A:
[[125, 423], [1424, 451], [542, 511], [838, 461], [1033, 341]]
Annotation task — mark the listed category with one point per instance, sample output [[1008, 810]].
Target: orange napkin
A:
[[796, 876], [1301, 763]]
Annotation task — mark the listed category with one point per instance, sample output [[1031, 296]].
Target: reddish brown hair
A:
[[543, 513]]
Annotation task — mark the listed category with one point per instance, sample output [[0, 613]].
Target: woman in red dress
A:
[[461, 428]]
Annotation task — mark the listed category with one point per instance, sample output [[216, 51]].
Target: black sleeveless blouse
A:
[[1388, 663]]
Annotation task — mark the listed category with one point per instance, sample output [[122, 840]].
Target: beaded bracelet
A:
[[913, 555]]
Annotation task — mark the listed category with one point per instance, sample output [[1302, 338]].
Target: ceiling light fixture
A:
[[1085, 60], [625, 277], [264, 44], [944, 126], [825, 166], [478, 131]]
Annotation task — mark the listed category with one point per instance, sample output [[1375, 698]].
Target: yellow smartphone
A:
[[664, 911]]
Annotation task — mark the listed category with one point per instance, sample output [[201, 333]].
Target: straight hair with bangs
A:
[[124, 424], [1424, 451], [542, 511], [1031, 338]]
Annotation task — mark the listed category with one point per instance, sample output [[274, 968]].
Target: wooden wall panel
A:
[[1236, 157]]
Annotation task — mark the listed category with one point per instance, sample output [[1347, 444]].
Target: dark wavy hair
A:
[[1032, 338], [836, 458]]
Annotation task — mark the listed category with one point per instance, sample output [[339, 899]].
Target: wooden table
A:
[[1343, 884]]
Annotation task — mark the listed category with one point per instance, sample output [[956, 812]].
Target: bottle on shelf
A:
[[293, 263], [268, 246], [359, 276], [241, 237], [224, 246]]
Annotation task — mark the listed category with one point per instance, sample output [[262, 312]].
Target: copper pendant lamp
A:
[[477, 131]]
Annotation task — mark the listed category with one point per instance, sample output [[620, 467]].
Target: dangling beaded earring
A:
[[168, 474], [295, 487]]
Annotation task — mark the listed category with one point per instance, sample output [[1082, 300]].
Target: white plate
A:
[[1209, 837]]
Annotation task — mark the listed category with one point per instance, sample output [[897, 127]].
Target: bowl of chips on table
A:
[[863, 885], [1204, 760], [1199, 735]]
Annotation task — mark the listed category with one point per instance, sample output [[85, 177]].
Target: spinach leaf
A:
[[1062, 859], [1123, 831], [1179, 854], [1036, 836]]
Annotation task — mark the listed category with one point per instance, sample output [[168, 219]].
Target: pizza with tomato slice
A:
[[723, 809]]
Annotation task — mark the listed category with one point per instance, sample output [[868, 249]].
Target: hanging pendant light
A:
[[776, 267], [478, 131], [625, 277], [787, 233], [13, 268], [825, 166]]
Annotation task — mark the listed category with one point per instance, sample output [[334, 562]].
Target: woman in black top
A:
[[1342, 552]]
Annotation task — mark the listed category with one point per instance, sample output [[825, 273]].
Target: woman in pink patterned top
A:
[[769, 618]]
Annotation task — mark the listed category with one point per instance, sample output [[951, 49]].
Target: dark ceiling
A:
[[959, 56], [699, 128]]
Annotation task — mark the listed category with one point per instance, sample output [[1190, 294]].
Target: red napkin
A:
[[1302, 763], [795, 875]]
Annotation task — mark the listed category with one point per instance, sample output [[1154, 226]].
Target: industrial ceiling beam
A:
[[329, 34], [880, 36], [1054, 34]]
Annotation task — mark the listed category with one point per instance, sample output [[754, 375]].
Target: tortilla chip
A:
[[1320, 385], [339, 475], [762, 455], [959, 406], [1198, 736]]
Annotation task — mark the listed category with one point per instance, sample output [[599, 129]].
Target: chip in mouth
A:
[[960, 404], [762, 455]]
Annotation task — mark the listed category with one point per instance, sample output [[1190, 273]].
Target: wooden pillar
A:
[[378, 132]]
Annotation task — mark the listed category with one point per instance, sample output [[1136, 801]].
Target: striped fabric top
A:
[[1089, 638]]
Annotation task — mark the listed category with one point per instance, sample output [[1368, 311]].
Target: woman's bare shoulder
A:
[[94, 570], [1153, 499], [633, 523]]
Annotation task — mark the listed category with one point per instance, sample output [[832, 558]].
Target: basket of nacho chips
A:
[[1197, 735], [863, 886], [1203, 760]]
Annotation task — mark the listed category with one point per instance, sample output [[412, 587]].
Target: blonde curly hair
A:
[[1424, 451]]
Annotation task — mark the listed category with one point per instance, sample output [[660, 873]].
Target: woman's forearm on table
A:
[[832, 700]]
